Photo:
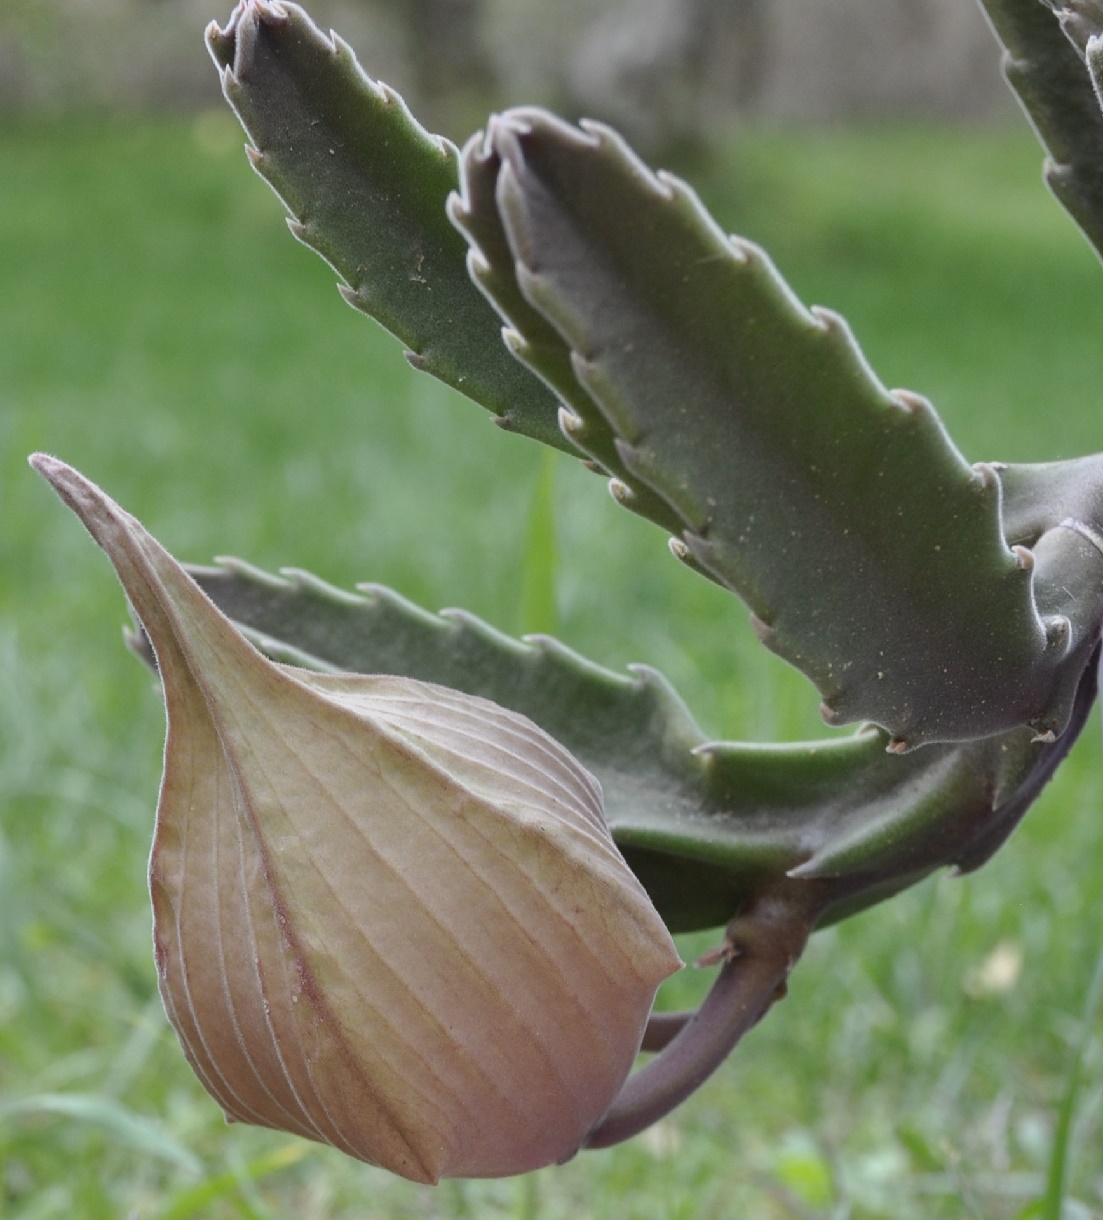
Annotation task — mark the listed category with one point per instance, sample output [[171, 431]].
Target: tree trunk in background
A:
[[665, 70], [668, 71], [446, 50], [846, 59], [728, 50], [450, 70]]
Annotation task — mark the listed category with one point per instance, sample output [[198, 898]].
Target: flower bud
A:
[[387, 916]]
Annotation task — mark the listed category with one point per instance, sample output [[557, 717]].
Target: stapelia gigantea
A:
[[593, 305]]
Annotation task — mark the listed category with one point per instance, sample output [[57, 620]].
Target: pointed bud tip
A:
[[270, 11], [78, 493], [548, 1034], [42, 462]]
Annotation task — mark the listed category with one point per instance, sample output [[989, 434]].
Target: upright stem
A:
[[761, 947]]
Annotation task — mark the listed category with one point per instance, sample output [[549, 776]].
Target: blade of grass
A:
[[1052, 1201], [196, 1200], [249, 1203], [539, 613], [149, 1028], [109, 1116], [528, 1197], [453, 1192]]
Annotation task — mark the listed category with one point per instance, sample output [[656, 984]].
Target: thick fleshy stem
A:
[[761, 947], [663, 1028]]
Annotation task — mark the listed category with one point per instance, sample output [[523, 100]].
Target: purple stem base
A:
[[761, 947]]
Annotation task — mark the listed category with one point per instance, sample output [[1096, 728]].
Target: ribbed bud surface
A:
[[387, 916]]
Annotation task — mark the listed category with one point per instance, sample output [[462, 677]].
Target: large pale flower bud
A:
[[387, 916]]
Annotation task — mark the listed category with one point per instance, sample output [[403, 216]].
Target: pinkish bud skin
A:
[[387, 916]]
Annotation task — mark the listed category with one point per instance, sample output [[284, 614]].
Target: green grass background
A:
[[161, 331]]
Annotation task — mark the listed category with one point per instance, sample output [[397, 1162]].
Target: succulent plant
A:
[[482, 1029], [953, 610]]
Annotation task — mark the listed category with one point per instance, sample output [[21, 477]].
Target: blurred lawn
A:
[[161, 331]]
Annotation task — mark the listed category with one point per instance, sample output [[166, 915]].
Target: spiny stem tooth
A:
[[271, 11], [621, 492], [726, 951], [909, 401], [987, 477], [570, 424], [1058, 631], [764, 631]]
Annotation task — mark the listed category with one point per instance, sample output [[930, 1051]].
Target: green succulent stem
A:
[[705, 825], [869, 551], [676, 359], [366, 186], [1047, 73]]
